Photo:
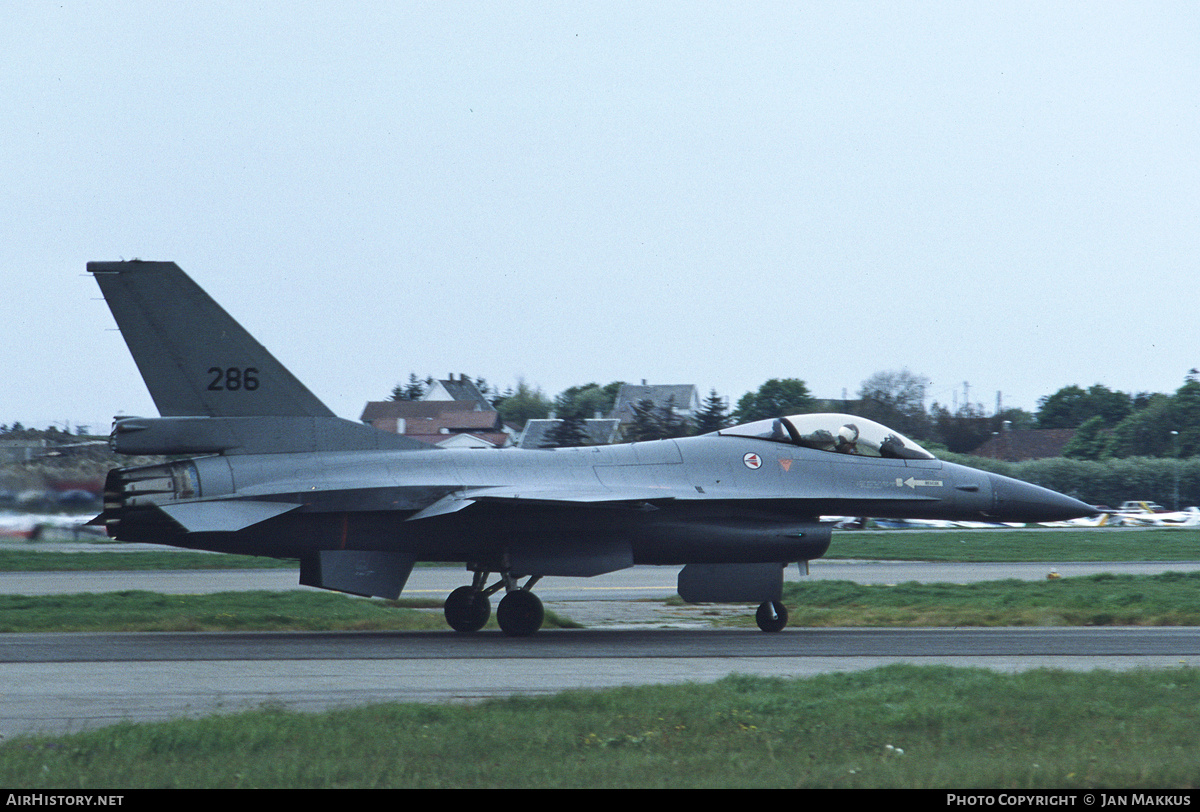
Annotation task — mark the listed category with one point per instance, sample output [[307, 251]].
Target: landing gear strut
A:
[[772, 616], [519, 614]]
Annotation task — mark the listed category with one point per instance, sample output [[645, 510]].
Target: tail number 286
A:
[[233, 379]]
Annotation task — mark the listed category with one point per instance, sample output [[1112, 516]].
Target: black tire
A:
[[772, 616], [466, 610], [520, 614]]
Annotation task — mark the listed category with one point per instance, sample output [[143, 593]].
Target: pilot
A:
[[821, 438], [891, 447], [847, 439]]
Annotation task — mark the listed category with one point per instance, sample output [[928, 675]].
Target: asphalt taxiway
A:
[[72, 681]]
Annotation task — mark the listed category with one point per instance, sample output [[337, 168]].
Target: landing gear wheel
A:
[[467, 610], [772, 616], [520, 613]]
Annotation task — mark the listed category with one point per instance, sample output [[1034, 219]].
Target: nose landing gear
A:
[[771, 616]]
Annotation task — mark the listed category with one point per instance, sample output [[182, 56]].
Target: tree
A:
[[962, 431], [896, 399], [1146, 432], [527, 403], [645, 422], [1071, 406], [413, 390], [1090, 441], [589, 399], [1058, 411], [654, 422], [1112, 406], [1167, 425], [1185, 408], [715, 414], [1016, 418], [775, 398], [673, 425], [569, 432]]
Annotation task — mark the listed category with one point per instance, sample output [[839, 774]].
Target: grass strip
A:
[[1167, 599], [898, 726], [140, 611], [995, 545], [50, 561]]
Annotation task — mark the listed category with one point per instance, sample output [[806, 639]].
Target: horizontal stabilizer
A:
[[225, 516], [251, 435]]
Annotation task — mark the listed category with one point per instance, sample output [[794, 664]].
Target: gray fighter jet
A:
[[269, 470]]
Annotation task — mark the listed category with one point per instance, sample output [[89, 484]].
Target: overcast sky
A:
[[1005, 194]]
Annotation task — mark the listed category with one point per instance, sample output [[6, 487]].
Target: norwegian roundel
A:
[[752, 460]]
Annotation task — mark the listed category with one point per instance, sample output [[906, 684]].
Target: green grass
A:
[[1168, 599], [897, 726], [138, 611], [1102, 544], [49, 561]]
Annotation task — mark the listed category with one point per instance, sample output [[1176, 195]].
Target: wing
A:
[[619, 498]]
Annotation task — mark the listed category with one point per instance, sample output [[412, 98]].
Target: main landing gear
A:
[[519, 614]]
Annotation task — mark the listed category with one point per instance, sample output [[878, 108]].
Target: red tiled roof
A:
[[1025, 444], [393, 409]]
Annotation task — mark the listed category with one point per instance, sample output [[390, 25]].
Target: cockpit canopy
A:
[[838, 433]]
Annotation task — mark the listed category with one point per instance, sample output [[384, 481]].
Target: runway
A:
[[65, 682]]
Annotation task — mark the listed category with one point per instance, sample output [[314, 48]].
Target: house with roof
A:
[[460, 430], [684, 398], [536, 434], [460, 389], [452, 414]]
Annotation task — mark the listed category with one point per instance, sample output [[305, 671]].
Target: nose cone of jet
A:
[[1017, 501]]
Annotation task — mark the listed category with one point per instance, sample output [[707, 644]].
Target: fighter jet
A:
[[267, 469]]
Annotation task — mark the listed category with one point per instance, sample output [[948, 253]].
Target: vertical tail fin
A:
[[195, 359]]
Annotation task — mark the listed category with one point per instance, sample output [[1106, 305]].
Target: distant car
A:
[[1141, 506], [77, 497]]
